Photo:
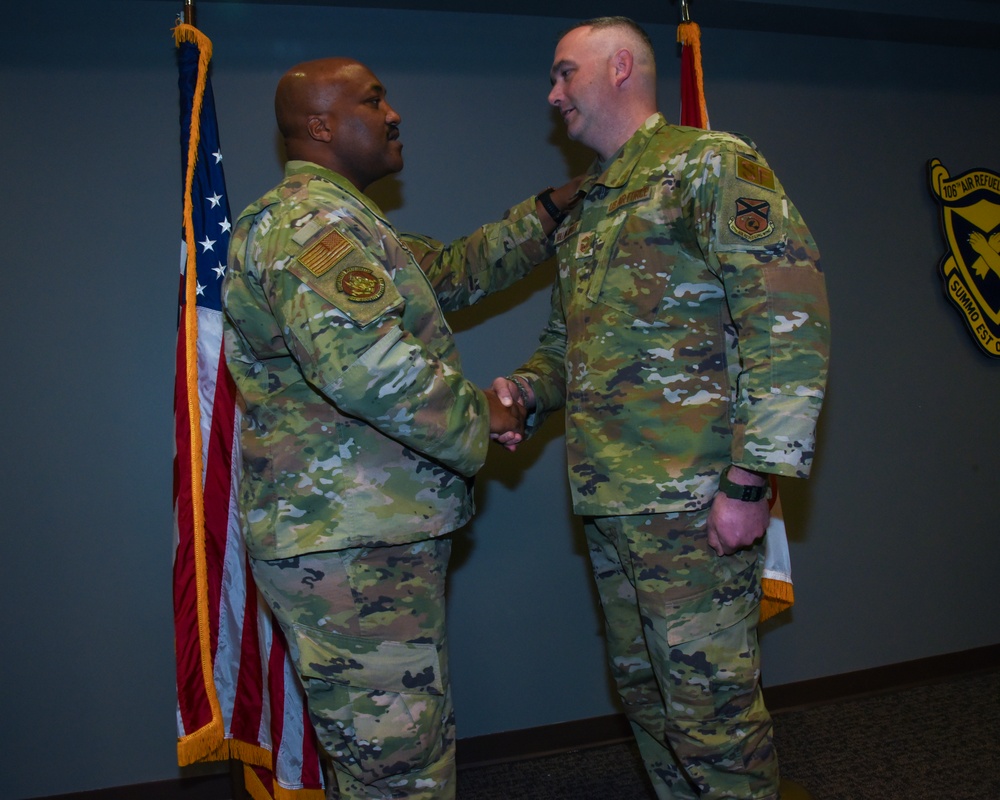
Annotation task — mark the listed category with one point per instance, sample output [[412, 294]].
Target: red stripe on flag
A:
[[276, 689], [193, 705], [248, 705], [218, 486], [310, 754]]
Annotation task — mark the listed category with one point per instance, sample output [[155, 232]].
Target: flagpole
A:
[[188, 15], [685, 13]]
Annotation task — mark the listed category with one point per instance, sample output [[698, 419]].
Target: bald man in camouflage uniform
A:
[[688, 341], [360, 436]]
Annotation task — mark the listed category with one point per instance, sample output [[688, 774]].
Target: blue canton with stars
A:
[[210, 213]]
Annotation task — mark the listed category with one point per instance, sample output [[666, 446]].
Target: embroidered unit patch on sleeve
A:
[[360, 284], [752, 220], [321, 257], [752, 172]]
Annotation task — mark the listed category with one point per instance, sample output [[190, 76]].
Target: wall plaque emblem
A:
[[970, 218]]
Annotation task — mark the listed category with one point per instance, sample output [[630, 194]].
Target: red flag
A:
[[694, 112], [776, 583], [237, 695]]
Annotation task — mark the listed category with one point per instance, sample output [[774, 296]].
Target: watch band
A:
[[748, 494], [545, 198], [518, 381]]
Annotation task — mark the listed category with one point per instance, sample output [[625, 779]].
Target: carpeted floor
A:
[[939, 741]]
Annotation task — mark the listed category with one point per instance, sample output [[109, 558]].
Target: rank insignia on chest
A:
[[752, 220], [360, 284], [585, 245], [321, 257], [752, 172]]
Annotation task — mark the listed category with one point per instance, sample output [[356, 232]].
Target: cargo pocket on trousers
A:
[[710, 664], [385, 701]]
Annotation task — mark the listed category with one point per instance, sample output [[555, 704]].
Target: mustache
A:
[[393, 131]]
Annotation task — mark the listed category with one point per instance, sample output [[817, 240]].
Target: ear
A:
[[318, 129], [622, 62]]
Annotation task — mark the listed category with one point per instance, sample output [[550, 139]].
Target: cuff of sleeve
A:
[[777, 434], [545, 403]]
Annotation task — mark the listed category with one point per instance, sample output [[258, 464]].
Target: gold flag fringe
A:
[[778, 596], [207, 743], [258, 791]]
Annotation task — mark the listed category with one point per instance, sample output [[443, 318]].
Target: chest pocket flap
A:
[[631, 272]]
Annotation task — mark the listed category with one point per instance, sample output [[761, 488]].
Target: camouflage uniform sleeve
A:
[[488, 260], [341, 317], [759, 246], [546, 369]]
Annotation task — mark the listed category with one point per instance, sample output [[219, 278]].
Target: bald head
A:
[[307, 89], [333, 112]]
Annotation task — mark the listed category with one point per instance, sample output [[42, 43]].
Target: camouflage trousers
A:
[[682, 644], [366, 631]]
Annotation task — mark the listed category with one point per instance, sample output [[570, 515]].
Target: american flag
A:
[[237, 696]]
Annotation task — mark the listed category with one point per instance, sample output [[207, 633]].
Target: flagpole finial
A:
[[188, 12], [685, 12]]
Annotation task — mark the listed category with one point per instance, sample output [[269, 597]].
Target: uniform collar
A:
[[615, 171], [310, 168]]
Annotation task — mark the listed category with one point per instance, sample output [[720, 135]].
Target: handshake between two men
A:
[[511, 400]]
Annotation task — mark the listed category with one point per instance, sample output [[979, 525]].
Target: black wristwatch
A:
[[545, 198], [748, 494]]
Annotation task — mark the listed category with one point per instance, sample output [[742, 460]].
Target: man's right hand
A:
[[506, 419]]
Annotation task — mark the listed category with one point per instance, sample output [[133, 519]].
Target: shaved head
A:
[[333, 112], [306, 89]]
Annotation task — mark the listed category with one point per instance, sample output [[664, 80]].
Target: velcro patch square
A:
[[752, 172]]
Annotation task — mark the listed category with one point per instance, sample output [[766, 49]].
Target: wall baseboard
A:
[[494, 748], [890, 677]]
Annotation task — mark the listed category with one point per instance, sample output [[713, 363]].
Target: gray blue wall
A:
[[894, 541]]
